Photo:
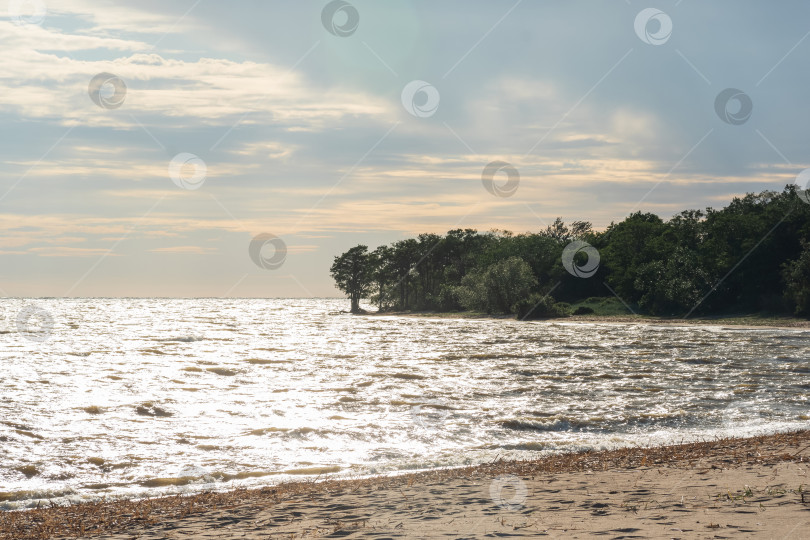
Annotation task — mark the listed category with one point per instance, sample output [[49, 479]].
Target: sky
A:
[[202, 148]]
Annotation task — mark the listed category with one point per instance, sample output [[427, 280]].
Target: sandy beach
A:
[[731, 488]]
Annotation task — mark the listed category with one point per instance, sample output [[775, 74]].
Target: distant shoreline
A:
[[743, 486], [751, 321]]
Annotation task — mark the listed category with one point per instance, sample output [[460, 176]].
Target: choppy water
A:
[[135, 397]]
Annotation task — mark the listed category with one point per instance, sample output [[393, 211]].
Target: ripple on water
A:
[[150, 409], [225, 372], [259, 390]]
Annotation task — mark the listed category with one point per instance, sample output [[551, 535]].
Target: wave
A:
[[221, 477], [291, 432], [600, 424], [150, 409], [383, 394], [225, 372], [263, 361], [34, 494]]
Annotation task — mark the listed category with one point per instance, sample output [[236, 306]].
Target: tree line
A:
[[750, 256]]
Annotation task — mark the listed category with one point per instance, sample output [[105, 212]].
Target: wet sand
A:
[[731, 488]]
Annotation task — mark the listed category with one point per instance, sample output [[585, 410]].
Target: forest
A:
[[752, 256]]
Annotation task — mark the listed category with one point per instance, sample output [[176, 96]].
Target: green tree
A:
[[637, 240], [383, 277], [722, 261], [672, 286], [352, 273], [499, 287], [563, 234], [797, 279]]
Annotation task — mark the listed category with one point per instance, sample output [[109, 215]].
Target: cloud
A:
[[109, 16], [41, 79], [194, 250], [265, 149], [29, 38], [63, 251], [290, 121]]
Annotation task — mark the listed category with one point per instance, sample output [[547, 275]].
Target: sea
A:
[[110, 398]]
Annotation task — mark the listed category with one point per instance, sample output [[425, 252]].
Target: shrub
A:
[[539, 306], [497, 288], [563, 307], [584, 310]]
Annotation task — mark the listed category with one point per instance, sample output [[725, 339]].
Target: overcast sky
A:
[[301, 120]]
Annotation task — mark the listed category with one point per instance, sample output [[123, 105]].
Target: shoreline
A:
[[745, 486], [741, 322]]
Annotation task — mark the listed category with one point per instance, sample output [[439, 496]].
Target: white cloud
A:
[[42, 78], [33, 37], [106, 16]]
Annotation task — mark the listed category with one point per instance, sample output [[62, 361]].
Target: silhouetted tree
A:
[[352, 274], [797, 278], [752, 255]]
